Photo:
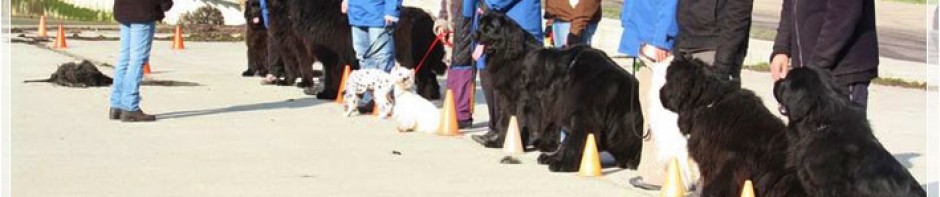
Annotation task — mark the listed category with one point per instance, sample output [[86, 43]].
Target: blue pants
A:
[[136, 39], [375, 48], [561, 29]]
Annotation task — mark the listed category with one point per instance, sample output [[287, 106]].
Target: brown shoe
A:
[[114, 114], [137, 116]]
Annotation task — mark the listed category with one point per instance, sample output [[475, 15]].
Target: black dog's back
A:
[[833, 146]]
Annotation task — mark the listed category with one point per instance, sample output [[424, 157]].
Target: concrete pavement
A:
[[233, 137]]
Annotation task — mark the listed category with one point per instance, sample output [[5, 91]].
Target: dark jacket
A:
[[139, 11], [720, 25], [836, 35], [462, 51], [586, 11]]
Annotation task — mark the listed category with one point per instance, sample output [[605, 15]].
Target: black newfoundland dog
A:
[[578, 89], [256, 37], [732, 136], [319, 31], [833, 148]]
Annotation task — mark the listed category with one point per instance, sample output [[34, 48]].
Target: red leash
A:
[[440, 38]]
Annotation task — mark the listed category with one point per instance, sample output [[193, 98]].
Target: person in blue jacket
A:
[[528, 14], [649, 28], [372, 22]]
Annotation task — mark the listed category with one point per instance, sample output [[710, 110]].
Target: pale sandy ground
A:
[[233, 137]]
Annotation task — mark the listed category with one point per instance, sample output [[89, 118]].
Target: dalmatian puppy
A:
[[410, 110], [363, 81]]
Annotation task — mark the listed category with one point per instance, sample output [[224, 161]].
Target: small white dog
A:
[[362, 81], [410, 110]]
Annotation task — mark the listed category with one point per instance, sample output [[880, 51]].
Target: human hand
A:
[[345, 6], [779, 66], [441, 26], [654, 53], [390, 20]]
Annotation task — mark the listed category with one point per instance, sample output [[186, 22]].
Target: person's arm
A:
[[500, 5], [780, 57], [665, 25], [165, 5], [784, 27], [840, 22], [392, 10], [734, 24]]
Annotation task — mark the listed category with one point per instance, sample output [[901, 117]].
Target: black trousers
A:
[[490, 95]]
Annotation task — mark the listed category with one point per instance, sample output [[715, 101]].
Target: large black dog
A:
[[256, 37], [733, 137], [506, 45], [322, 33], [833, 148], [578, 89]]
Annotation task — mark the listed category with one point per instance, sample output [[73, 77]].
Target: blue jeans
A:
[[136, 39], [382, 52], [561, 29]]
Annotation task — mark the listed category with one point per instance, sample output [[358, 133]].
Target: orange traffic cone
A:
[[513, 143], [448, 126], [60, 39], [178, 39], [590, 159], [342, 85], [147, 68], [673, 186], [42, 27], [748, 190]]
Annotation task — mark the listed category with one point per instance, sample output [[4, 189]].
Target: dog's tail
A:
[[49, 80]]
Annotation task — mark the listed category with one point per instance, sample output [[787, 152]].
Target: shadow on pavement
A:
[[290, 103]]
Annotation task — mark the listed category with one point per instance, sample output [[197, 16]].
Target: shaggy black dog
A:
[[506, 45], [324, 33], [589, 94], [579, 89], [256, 37], [833, 148], [293, 53], [732, 136], [81, 75]]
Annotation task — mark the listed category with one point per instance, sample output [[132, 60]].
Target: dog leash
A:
[[369, 51], [440, 38]]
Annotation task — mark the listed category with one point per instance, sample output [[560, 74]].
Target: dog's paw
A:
[[546, 158], [248, 73], [562, 166]]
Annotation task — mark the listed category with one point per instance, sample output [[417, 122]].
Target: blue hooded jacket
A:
[[527, 13], [650, 22], [371, 13]]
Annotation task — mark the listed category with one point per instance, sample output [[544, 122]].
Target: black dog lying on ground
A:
[[832, 147], [83, 74], [578, 89], [732, 136]]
